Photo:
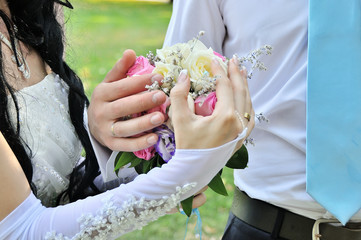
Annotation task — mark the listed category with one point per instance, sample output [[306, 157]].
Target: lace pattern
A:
[[119, 217], [46, 127]]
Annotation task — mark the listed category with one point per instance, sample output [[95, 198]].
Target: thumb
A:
[[179, 96], [121, 67]]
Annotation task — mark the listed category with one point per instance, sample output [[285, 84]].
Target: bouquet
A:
[[169, 62]]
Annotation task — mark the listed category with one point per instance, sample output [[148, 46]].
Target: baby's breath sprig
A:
[[248, 141], [151, 58], [154, 86], [253, 59], [200, 34], [261, 117]]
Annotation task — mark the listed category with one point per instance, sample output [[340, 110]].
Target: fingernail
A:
[[156, 120], [182, 76], [156, 97], [152, 140], [215, 61], [244, 71], [235, 60], [157, 78]]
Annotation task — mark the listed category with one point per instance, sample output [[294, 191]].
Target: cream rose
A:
[[198, 63], [170, 73], [173, 54]]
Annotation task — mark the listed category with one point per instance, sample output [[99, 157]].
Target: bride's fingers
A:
[[243, 103], [248, 103], [224, 90], [178, 98], [239, 88], [199, 200]]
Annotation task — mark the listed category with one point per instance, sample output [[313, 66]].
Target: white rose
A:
[[170, 73], [172, 54], [199, 63]]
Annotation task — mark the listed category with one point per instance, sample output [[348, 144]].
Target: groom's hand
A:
[[118, 97]]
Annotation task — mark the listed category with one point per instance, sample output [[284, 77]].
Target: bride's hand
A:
[[227, 121]]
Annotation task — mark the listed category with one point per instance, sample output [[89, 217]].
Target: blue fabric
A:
[[334, 106], [198, 227]]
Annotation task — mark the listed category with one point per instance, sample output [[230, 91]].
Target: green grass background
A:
[[97, 34]]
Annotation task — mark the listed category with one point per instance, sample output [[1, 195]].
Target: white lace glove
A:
[[128, 207]]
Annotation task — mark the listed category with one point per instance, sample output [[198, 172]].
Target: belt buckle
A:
[[316, 227]]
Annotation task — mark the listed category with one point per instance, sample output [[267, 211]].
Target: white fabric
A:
[[106, 160], [128, 207], [46, 127], [276, 170]]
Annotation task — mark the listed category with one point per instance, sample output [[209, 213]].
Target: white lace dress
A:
[[47, 129]]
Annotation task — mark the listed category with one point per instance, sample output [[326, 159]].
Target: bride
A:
[[48, 190]]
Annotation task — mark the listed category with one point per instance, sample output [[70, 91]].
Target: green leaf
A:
[[187, 205], [122, 159], [217, 185], [239, 160], [147, 165], [135, 162]]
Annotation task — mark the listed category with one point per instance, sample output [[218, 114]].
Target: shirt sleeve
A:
[[192, 16], [125, 208], [106, 159]]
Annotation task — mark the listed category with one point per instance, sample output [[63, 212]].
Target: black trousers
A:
[[237, 229]]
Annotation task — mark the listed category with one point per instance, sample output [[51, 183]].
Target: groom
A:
[[271, 201]]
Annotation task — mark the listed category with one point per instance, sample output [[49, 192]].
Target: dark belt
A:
[[281, 223]]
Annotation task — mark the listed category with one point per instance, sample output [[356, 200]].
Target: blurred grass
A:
[[97, 34]]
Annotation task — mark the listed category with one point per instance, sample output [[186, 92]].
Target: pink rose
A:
[[219, 55], [204, 106], [162, 108], [140, 67], [145, 154]]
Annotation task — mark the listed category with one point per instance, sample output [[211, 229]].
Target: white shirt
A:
[[277, 165]]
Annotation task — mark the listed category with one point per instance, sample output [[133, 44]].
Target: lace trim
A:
[[117, 218]]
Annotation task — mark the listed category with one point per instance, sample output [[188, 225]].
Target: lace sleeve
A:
[[126, 208]]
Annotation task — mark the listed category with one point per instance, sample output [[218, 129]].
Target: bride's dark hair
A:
[[37, 27]]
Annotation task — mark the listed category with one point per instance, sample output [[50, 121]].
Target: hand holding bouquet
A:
[[174, 63]]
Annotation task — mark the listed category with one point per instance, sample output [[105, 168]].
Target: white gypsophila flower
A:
[[170, 73], [253, 59], [261, 117], [173, 54]]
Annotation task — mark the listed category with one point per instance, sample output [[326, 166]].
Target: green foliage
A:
[[217, 185], [239, 160], [123, 158], [187, 205]]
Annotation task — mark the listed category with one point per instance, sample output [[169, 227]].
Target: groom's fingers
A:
[[110, 91], [134, 104], [121, 67], [134, 126], [199, 200], [133, 144]]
